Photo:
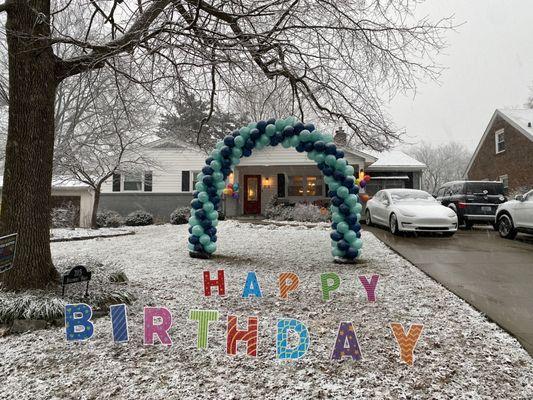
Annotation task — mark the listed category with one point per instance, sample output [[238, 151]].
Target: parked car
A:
[[472, 201], [516, 216], [409, 210]]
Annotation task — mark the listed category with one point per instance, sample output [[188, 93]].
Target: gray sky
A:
[[489, 64]]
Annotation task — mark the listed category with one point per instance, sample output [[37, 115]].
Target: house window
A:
[[500, 141], [148, 177], [306, 186], [116, 182], [133, 182], [505, 180], [188, 178]]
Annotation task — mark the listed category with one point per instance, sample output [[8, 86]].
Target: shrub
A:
[[310, 213], [109, 219], [139, 218], [180, 216], [221, 215]]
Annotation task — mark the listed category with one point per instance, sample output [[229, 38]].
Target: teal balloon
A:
[[350, 236], [334, 209], [259, 146], [320, 157], [311, 155], [205, 239], [219, 145], [357, 208], [327, 137], [213, 215], [203, 197], [197, 230], [280, 124], [216, 155], [239, 141], [220, 185], [236, 152], [208, 207], [264, 139], [190, 246], [314, 136], [341, 164], [252, 125], [291, 121], [215, 222], [305, 136], [349, 170], [343, 192], [200, 187], [286, 143], [357, 244], [329, 179], [199, 177], [294, 140], [235, 186], [235, 160], [330, 160], [193, 221], [343, 227], [210, 248], [218, 176], [334, 185], [270, 130], [215, 165], [337, 253], [351, 200], [245, 132], [337, 217]]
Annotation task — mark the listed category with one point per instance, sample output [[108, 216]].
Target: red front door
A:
[[252, 194]]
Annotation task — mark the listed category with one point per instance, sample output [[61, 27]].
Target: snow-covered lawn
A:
[[460, 354], [64, 234]]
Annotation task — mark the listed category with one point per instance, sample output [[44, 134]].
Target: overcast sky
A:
[[489, 64]]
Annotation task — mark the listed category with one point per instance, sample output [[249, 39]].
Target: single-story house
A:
[[289, 175], [72, 193], [505, 151]]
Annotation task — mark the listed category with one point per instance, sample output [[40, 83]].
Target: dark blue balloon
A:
[[212, 191], [226, 163], [196, 204], [358, 235], [288, 131], [195, 194], [229, 141], [226, 171], [344, 209], [309, 146], [336, 201], [355, 227], [351, 253], [348, 182], [274, 141], [335, 236], [261, 125], [207, 180], [207, 170], [190, 229], [351, 219], [205, 223], [321, 166], [235, 133], [249, 144], [215, 199], [214, 238], [334, 226], [354, 190], [339, 154], [320, 145], [332, 194], [339, 176], [247, 152], [309, 127], [330, 148], [255, 134], [298, 128], [271, 121], [200, 214], [279, 137], [208, 160], [328, 171], [225, 152], [194, 239], [300, 147], [343, 245], [211, 231], [198, 247]]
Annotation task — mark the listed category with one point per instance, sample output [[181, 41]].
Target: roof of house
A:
[[396, 160], [518, 118], [59, 182]]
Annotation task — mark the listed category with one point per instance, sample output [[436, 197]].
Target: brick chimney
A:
[[340, 137]]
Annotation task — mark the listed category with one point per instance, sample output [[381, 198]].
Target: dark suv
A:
[[473, 201]]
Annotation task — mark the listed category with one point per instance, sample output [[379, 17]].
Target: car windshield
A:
[[412, 196], [492, 188]]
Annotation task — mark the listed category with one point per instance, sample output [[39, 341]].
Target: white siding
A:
[[280, 156]]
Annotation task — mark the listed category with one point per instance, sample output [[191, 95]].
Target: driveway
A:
[[492, 274]]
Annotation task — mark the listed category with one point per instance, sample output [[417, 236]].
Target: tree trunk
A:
[[26, 194], [96, 203]]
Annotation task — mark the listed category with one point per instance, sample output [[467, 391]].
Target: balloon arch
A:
[[338, 175]]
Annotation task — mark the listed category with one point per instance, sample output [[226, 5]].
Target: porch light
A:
[[231, 178], [266, 182]]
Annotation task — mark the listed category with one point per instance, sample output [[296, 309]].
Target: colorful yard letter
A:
[[78, 325], [219, 282], [251, 287], [203, 317], [328, 287], [288, 281], [235, 335], [119, 321], [284, 352], [370, 287], [407, 343], [161, 330], [346, 336]]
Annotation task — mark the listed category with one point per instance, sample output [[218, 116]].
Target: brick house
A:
[[505, 151]]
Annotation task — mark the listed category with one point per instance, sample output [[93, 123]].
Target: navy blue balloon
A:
[[261, 125], [343, 245], [215, 199], [255, 134], [249, 144], [195, 194], [274, 141], [351, 253], [279, 136], [271, 121], [226, 163], [214, 238], [288, 131], [207, 180], [348, 182], [247, 152], [356, 227], [205, 223], [354, 190], [328, 171], [298, 128], [229, 141], [344, 209], [335, 236], [208, 160], [320, 145], [207, 170], [309, 127], [309, 146], [235, 133], [190, 229], [211, 231], [358, 235], [332, 193], [194, 239], [225, 152], [200, 214], [336, 201], [330, 148], [300, 147], [339, 154], [196, 204], [212, 191], [351, 219], [339, 176], [321, 166], [334, 225], [198, 247]]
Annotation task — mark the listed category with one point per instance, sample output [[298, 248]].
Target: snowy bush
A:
[[180, 216], [139, 218], [310, 213], [36, 304], [109, 219], [66, 216]]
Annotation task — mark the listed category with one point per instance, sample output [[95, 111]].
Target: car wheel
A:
[[506, 227], [368, 220], [393, 225]]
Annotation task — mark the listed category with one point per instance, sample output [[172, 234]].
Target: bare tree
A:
[[335, 57], [445, 163]]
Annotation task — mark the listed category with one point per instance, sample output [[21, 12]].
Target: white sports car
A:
[[409, 210]]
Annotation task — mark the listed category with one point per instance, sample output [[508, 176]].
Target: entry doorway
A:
[[252, 194]]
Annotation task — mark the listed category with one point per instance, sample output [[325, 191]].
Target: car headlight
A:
[[451, 214], [407, 214]]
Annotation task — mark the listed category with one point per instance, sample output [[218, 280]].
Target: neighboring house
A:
[[289, 175], [70, 192], [505, 151]]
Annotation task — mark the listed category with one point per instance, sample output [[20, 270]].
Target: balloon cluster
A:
[[362, 181], [232, 190], [289, 132]]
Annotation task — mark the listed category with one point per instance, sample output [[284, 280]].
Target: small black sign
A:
[[77, 274], [8, 246]]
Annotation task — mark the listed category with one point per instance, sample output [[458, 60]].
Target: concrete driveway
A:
[[492, 274]]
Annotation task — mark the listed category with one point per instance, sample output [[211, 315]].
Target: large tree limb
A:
[[3, 7]]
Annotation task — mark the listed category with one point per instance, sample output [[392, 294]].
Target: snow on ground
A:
[[65, 234], [460, 355]]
